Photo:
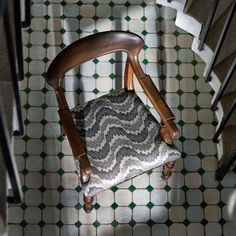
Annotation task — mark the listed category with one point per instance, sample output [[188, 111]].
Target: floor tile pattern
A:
[[190, 203]]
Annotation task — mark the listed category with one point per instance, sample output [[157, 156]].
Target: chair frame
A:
[[86, 49]]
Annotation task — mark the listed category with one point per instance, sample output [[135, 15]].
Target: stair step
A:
[[198, 9], [226, 102], [228, 138], [221, 71]]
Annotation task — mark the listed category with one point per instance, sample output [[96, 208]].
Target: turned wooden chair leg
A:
[[88, 206], [166, 173]]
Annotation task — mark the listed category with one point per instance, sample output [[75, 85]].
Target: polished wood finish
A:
[[88, 204], [167, 168], [94, 46]]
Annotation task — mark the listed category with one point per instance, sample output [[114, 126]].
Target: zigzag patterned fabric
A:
[[121, 138]]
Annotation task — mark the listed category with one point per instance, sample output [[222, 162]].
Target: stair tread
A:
[[228, 138], [226, 102], [198, 9]]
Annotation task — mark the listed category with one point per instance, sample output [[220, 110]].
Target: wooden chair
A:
[[114, 138]]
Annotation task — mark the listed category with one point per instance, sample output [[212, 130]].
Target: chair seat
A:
[[121, 138]]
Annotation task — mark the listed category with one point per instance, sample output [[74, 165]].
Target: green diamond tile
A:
[[168, 223], [43, 122], [47, 3], [60, 138], [114, 189], [196, 92], [78, 206], [132, 205], [186, 205], [176, 33], [29, 31], [145, 47], [150, 223], [132, 223], [182, 139], [112, 76], [59, 206], [184, 188], [197, 108], [79, 31], [114, 223], [212, 92], [145, 61], [28, 59], [194, 62], [149, 172], [149, 188], [179, 77], [62, 31], [96, 224], [24, 172], [79, 91], [183, 155], [46, 31], [95, 91], [144, 18], [143, 4], [42, 206], [62, 45], [150, 205], [195, 77], [177, 48], [222, 221], [44, 90], [26, 138], [95, 76], [47, 17], [79, 17], [43, 172], [44, 106], [111, 18], [221, 204], [61, 171], [96, 206], [199, 139], [219, 187], [144, 32], [162, 77], [204, 222], [114, 205], [198, 123], [214, 123], [167, 188], [59, 224], [127, 18], [167, 205], [112, 61], [160, 32], [180, 92], [95, 3], [78, 189], [127, 4], [46, 45], [23, 206], [63, 3], [160, 18], [60, 189], [42, 189], [95, 18], [181, 123], [131, 188], [63, 17], [112, 90], [202, 188], [23, 224], [43, 154], [186, 222], [184, 171], [203, 204], [180, 107], [178, 62], [43, 138], [24, 188], [29, 45], [60, 155], [111, 4], [161, 62]]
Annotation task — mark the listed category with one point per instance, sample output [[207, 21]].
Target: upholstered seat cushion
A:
[[121, 138]]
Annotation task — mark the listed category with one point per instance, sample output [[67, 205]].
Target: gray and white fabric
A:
[[121, 138]]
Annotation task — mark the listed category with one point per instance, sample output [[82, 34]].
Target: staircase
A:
[[200, 17]]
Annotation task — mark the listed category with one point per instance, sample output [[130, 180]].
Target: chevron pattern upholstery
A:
[[121, 138]]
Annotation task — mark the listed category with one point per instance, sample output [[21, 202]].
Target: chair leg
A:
[[166, 173], [88, 206]]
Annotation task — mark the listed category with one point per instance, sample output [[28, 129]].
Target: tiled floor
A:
[[190, 203]]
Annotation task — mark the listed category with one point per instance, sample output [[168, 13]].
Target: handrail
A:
[[221, 40], [224, 85], [208, 25], [14, 74], [224, 121], [9, 163], [26, 23]]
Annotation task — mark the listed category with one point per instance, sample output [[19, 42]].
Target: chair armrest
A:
[[159, 104], [74, 140]]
